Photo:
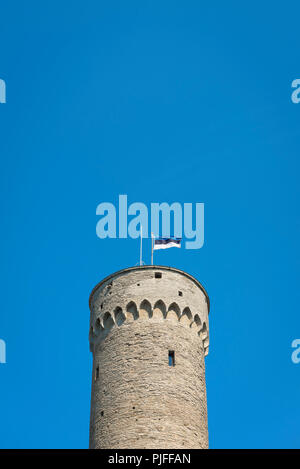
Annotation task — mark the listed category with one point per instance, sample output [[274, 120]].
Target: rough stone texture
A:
[[138, 400]]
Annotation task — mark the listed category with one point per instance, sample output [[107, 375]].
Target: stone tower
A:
[[149, 337]]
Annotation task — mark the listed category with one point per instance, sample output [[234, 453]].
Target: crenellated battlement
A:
[[159, 311], [155, 293]]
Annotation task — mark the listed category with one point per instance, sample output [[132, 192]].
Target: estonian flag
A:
[[165, 243]]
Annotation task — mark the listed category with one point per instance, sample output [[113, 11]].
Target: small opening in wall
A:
[[133, 407], [102, 413], [157, 275], [180, 293], [97, 373], [171, 358], [138, 284]]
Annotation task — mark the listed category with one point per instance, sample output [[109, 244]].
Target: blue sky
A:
[[162, 101]]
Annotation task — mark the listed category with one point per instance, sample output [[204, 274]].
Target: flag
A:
[[165, 243]]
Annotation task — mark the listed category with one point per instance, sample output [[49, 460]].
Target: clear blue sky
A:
[[163, 101]]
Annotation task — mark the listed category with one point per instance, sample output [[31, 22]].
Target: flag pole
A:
[[152, 237], [141, 246]]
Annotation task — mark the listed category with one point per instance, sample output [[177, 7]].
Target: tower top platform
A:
[[147, 268]]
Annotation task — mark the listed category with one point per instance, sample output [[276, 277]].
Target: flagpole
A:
[[141, 246], [152, 237]]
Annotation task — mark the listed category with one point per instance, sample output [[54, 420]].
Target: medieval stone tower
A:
[[149, 337]]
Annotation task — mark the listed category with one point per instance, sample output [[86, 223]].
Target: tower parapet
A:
[[149, 334]]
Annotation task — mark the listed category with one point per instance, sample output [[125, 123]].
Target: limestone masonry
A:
[[149, 337]]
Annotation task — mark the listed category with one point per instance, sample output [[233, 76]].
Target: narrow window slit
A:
[[171, 358]]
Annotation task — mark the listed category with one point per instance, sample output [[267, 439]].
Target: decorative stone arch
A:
[[119, 316], [197, 320], [205, 338], [186, 317], [204, 332], [145, 310], [107, 321], [159, 310], [196, 324], [132, 312], [173, 312]]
